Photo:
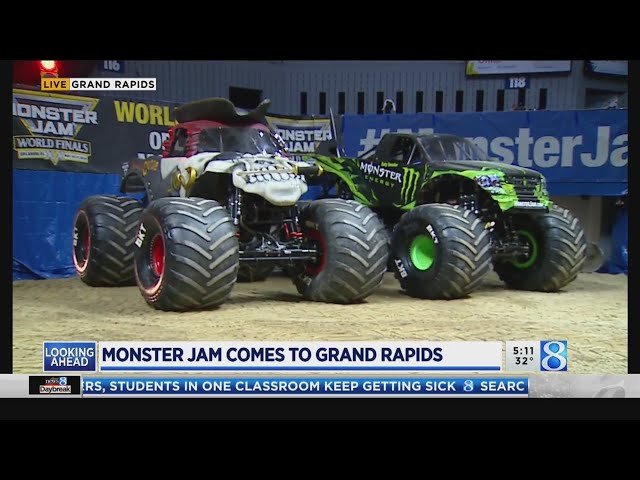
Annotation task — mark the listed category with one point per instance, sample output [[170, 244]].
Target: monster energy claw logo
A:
[[410, 178]]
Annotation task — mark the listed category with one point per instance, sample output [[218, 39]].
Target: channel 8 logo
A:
[[553, 356], [62, 381]]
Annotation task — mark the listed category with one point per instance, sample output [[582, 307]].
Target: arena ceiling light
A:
[[48, 67]]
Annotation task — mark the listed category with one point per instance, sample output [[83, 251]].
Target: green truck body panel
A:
[[378, 182]]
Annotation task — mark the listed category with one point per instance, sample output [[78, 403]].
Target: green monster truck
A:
[[453, 213]]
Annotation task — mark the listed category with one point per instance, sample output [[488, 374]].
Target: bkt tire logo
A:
[[50, 123]]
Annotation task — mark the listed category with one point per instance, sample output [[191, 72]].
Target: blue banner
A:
[[44, 204], [580, 152], [295, 386], [618, 262]]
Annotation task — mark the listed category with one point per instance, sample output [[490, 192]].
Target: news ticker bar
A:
[[97, 84], [305, 386], [300, 357], [261, 386], [533, 386]]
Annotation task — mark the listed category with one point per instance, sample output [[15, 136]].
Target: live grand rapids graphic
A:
[[49, 124]]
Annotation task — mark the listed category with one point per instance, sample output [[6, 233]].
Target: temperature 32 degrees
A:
[[522, 356]]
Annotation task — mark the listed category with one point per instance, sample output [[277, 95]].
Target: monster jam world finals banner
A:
[[53, 131], [301, 135]]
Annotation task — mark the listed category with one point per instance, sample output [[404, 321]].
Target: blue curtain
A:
[[44, 204]]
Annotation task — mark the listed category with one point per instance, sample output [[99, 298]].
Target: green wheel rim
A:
[[533, 254], [422, 252]]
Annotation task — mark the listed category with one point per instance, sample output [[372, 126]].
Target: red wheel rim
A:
[[315, 269], [86, 245], [82, 243], [157, 255]]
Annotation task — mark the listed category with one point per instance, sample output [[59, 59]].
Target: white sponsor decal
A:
[[528, 204], [377, 170], [432, 232], [401, 270], [140, 236]]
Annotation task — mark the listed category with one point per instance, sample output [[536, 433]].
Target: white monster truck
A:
[[221, 204]]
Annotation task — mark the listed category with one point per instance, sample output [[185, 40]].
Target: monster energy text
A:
[[409, 184], [373, 169]]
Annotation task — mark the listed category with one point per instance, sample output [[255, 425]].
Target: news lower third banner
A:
[[336, 385], [352, 357]]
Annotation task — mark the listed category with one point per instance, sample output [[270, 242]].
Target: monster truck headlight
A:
[[492, 182]]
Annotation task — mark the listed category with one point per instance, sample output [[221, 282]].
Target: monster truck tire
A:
[[353, 247], [558, 251], [104, 230], [186, 255], [254, 273], [440, 252]]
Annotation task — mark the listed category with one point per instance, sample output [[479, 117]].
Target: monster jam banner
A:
[[75, 133], [301, 135], [579, 152]]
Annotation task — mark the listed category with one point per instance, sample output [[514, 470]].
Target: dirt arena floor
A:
[[591, 313]]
